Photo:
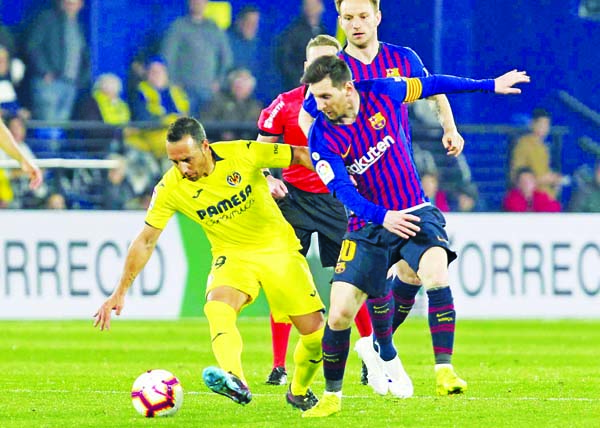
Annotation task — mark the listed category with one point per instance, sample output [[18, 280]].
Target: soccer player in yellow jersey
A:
[[221, 187]]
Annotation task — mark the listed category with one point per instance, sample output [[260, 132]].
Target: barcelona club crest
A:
[[234, 179], [392, 72], [377, 121], [340, 267]]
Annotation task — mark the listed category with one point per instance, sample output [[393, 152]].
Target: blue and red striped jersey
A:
[[375, 150], [390, 61]]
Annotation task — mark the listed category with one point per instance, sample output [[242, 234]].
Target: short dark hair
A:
[[328, 66], [186, 126], [539, 113]]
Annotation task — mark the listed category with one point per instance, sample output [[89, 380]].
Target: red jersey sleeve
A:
[[272, 118]]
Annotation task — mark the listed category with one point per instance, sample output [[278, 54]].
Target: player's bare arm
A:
[[10, 146], [401, 224], [277, 187], [453, 142], [138, 255], [301, 156]]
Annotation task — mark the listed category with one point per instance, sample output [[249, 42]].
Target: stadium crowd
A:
[[201, 70]]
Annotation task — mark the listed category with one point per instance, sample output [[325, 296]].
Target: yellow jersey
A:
[[233, 204]]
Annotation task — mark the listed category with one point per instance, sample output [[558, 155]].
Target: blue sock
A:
[[381, 311], [442, 321], [404, 299], [336, 344]]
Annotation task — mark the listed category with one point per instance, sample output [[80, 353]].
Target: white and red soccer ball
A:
[[157, 393]]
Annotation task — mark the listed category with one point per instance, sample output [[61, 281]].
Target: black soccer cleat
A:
[[302, 402], [278, 376], [364, 373]]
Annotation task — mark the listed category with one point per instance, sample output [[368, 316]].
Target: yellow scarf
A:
[[153, 99], [114, 112]]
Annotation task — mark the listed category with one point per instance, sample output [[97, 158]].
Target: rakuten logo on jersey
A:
[[359, 166]]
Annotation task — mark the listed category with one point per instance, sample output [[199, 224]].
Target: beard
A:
[[335, 120]]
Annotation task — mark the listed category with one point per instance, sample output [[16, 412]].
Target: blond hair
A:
[[338, 4], [323, 40]]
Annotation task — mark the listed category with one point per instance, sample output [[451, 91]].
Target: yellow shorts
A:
[[285, 279]]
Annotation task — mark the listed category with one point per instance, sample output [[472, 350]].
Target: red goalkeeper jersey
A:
[[281, 119]]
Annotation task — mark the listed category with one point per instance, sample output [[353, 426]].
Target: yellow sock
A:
[[308, 357], [225, 337]]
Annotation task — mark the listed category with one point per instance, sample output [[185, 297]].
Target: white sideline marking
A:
[[362, 397]]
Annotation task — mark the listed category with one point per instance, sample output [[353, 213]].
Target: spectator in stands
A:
[[453, 171], [56, 201], [291, 43], [105, 103], [59, 58], [118, 193], [587, 197], [157, 101], [11, 73], [430, 183], [236, 103], [244, 41], [149, 48], [466, 199], [531, 152], [198, 55], [525, 196]]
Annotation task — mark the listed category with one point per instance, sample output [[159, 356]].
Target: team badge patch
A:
[[234, 179], [325, 171], [377, 121], [340, 267], [392, 72]]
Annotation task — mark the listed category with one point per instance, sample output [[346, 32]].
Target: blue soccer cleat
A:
[[227, 384]]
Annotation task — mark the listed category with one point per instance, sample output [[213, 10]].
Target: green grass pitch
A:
[[520, 374]]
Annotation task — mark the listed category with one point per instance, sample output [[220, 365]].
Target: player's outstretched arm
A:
[[412, 89], [504, 84], [138, 255], [9, 145]]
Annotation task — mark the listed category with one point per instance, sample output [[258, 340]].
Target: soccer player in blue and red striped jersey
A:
[[359, 133], [369, 58], [304, 201]]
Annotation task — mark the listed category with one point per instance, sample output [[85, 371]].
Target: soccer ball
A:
[[157, 393]]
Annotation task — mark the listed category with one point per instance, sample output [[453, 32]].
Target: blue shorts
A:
[[368, 253]]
